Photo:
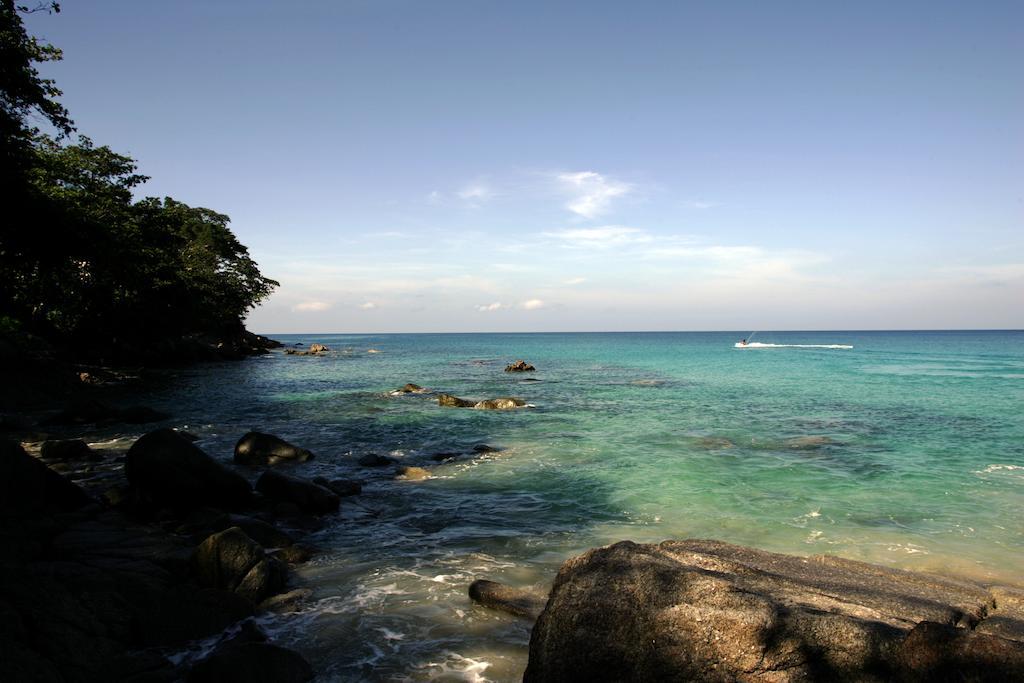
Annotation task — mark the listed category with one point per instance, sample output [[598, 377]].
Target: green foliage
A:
[[81, 260]]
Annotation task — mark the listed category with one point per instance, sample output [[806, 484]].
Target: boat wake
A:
[[759, 345]]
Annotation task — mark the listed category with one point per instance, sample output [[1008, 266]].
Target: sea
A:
[[905, 450]]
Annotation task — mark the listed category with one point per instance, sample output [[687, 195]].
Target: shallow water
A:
[[906, 450]]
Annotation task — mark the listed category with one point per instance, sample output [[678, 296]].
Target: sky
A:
[[484, 166]]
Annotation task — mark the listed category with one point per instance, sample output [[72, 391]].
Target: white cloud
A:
[[475, 192], [434, 197], [368, 306], [603, 237], [575, 281], [699, 204], [311, 306], [533, 304], [496, 306], [592, 192]]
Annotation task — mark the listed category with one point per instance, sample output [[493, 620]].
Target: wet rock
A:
[[519, 366], [705, 610], [504, 403], [286, 602], [249, 662], [67, 449], [453, 401], [256, 449], [445, 457], [309, 497], [318, 348], [173, 471], [230, 560], [30, 488], [84, 411], [374, 460], [342, 487], [267, 535], [412, 473], [808, 442], [296, 553], [504, 598], [484, 448], [411, 389]]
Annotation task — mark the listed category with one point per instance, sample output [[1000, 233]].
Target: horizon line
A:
[[923, 329]]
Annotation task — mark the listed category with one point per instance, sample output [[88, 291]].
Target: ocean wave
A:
[[761, 345]]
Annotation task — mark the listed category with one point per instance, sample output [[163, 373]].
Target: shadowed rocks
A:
[[256, 449], [232, 561], [519, 366], [705, 610], [504, 403], [172, 471], [306, 495]]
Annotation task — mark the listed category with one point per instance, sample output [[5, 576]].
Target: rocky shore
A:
[[700, 610]]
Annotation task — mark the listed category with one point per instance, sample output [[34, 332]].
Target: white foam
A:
[[455, 667], [760, 345]]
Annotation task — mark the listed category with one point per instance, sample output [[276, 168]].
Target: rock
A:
[[940, 652], [412, 473], [67, 449], [137, 415], [410, 389], [257, 449], [250, 662], [519, 366], [230, 560], [374, 460], [342, 487], [267, 535], [484, 448], [296, 553], [444, 457], [318, 348], [705, 610], [29, 488], [172, 471], [507, 599], [286, 602], [308, 496], [453, 401], [505, 403]]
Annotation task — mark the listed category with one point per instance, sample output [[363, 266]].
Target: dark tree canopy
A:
[[81, 261]]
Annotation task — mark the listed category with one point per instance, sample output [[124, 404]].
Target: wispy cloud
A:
[[575, 281], [311, 306], [475, 193], [603, 237], [532, 304], [700, 204], [487, 308], [592, 192], [368, 306]]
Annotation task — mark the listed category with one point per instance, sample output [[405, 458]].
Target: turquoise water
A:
[[907, 450]]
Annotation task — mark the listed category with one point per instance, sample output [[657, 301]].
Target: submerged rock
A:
[[306, 495], [173, 471], [251, 661], [411, 389], [67, 449], [258, 449], [519, 366], [454, 401], [412, 473], [705, 610], [504, 403], [504, 598], [809, 442]]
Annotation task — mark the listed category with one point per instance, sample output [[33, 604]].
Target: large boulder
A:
[[232, 561], [309, 497], [251, 662], [519, 366], [711, 611], [174, 472], [29, 488], [257, 449]]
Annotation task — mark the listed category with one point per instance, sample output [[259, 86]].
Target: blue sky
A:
[[487, 166]]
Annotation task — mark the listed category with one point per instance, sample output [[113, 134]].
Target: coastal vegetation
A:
[[87, 265]]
